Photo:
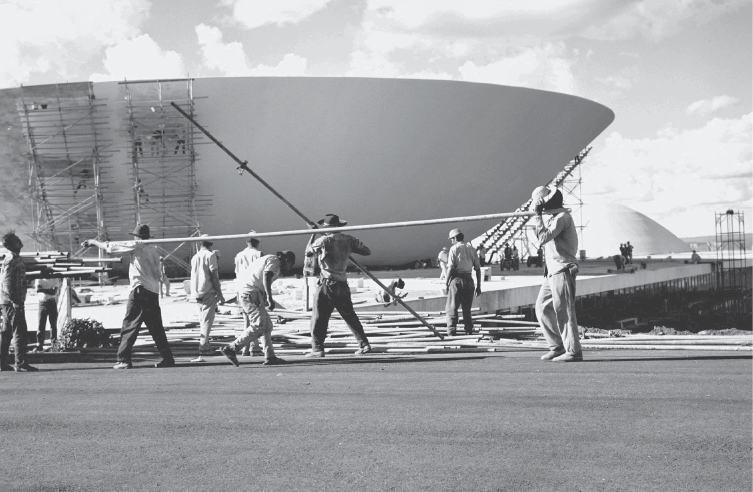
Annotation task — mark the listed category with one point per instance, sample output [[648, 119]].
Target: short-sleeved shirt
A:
[[144, 269], [13, 280], [243, 260], [443, 256], [333, 251], [252, 278], [203, 264], [47, 283], [463, 258]]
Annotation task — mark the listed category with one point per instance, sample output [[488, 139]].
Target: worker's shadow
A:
[[380, 359], [660, 358]]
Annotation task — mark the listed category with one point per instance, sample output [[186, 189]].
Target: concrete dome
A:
[[607, 225]]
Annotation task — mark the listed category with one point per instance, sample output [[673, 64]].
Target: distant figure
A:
[[459, 284], [442, 259], [629, 251], [164, 280], [243, 261], [695, 258], [619, 262], [515, 258], [481, 251], [623, 250], [47, 289], [13, 299], [156, 142], [384, 297], [206, 290]]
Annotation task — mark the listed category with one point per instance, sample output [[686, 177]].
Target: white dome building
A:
[[607, 225]]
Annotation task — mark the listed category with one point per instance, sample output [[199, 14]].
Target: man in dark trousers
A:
[[459, 283], [143, 301], [333, 250], [13, 298], [555, 305]]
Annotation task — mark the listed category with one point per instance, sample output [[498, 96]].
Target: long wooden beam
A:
[[367, 227]]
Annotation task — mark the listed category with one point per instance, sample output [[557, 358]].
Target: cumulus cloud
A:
[[708, 106], [544, 67], [40, 37], [140, 58], [615, 82], [228, 58], [253, 13], [679, 178], [658, 19], [291, 65]]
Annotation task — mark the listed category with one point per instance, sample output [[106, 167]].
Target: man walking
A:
[[256, 297], [206, 290], [333, 251], [459, 282], [555, 305], [143, 301], [12, 299], [47, 289], [243, 261]]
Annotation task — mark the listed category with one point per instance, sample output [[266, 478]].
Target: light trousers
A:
[[555, 310]]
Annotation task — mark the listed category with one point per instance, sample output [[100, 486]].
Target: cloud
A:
[[229, 59], [679, 178], [615, 82], [544, 67], [655, 20], [255, 13], [707, 106], [291, 65], [140, 58], [62, 37]]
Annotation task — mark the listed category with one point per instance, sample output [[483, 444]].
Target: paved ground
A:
[[622, 420]]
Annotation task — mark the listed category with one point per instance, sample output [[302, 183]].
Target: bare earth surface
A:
[[623, 420]]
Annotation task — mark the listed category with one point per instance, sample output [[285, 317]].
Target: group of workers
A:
[[255, 273]]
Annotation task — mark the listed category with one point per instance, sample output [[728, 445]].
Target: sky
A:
[[677, 73]]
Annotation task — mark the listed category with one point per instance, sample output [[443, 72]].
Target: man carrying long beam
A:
[[333, 251]]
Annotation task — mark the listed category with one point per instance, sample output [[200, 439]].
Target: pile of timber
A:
[[61, 264], [388, 332]]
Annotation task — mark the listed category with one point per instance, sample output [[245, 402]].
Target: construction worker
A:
[[13, 300], [243, 261], [143, 301], [256, 297], [442, 260], [332, 292], [206, 290], [47, 289], [555, 305], [459, 283]]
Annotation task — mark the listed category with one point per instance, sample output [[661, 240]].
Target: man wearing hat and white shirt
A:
[[243, 261], [555, 305], [143, 301], [462, 260], [333, 251], [206, 290], [255, 297]]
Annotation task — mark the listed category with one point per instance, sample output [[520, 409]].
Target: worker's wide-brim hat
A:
[[332, 220], [142, 231], [454, 233], [543, 193]]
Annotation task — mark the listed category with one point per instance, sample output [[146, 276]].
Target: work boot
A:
[[229, 352], [274, 361], [25, 367], [363, 350], [314, 354], [122, 365], [569, 357], [165, 363], [553, 354]]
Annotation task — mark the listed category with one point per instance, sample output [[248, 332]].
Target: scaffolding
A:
[[162, 160], [64, 126], [516, 231], [730, 251]]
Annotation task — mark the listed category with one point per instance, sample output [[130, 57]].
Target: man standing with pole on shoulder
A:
[[13, 299], [333, 250], [143, 301], [555, 305]]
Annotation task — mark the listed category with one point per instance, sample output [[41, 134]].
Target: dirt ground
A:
[[505, 421]]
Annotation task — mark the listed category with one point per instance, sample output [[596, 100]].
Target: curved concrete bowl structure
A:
[[371, 151]]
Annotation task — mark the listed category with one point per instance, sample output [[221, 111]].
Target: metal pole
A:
[[244, 166]]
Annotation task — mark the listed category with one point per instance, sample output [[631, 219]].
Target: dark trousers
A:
[[329, 295], [47, 309], [142, 306], [460, 295], [14, 327]]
